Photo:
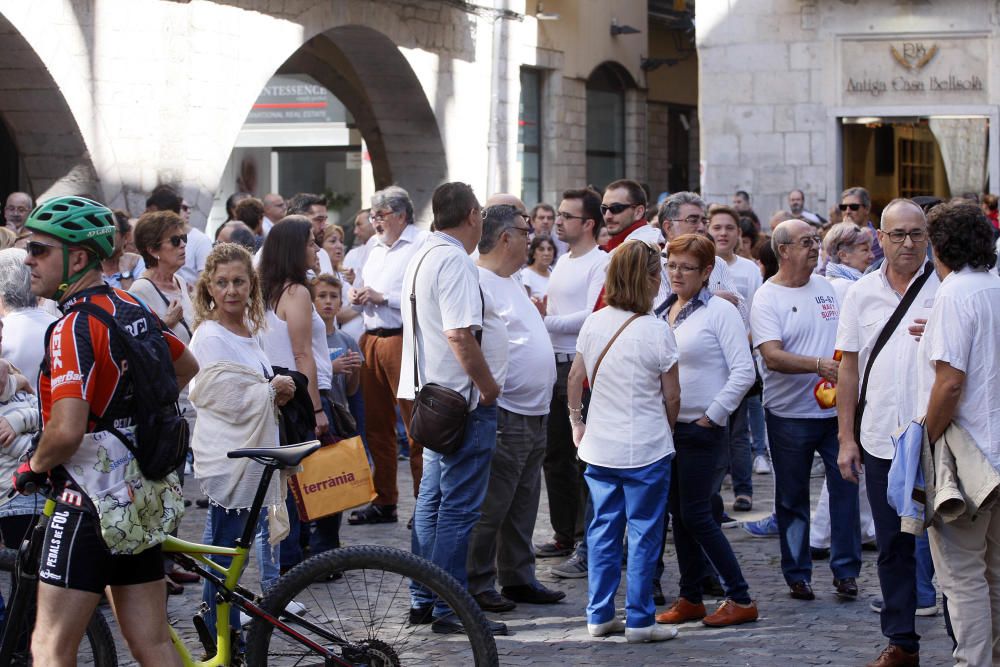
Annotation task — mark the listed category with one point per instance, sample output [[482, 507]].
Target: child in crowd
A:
[[345, 355]]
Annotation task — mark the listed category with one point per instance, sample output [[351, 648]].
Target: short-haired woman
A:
[[716, 371], [160, 239], [541, 256], [626, 440], [237, 396], [848, 250]]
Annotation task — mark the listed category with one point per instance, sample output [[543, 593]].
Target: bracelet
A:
[[572, 409], [574, 422], [317, 411], [817, 365]]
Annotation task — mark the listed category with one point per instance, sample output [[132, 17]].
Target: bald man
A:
[[18, 207]]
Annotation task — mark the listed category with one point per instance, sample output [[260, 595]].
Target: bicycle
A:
[[357, 601]]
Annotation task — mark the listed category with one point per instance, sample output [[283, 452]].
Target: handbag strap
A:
[[413, 311], [166, 302], [886, 334], [607, 347]]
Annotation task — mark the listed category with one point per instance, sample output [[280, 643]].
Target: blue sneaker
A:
[[766, 527]]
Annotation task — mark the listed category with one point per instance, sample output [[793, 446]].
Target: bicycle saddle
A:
[[281, 457]]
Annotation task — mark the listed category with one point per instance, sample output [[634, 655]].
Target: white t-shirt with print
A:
[[804, 319], [626, 421], [448, 297]]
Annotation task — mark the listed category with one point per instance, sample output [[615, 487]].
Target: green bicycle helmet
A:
[[77, 222]]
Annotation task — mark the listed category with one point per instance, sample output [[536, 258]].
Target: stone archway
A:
[[50, 150], [367, 72]]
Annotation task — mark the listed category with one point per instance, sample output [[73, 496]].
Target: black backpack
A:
[[161, 433]]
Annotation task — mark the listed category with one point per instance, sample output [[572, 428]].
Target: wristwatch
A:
[[125, 275]]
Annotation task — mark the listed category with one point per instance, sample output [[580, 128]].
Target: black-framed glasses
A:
[[527, 232], [569, 216], [176, 240], [898, 235], [615, 208], [683, 269], [38, 249], [853, 207], [807, 241]]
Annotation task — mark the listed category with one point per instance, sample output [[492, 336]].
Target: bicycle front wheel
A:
[[357, 602], [97, 646]]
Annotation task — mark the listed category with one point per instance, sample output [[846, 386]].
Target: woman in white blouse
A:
[[626, 440], [541, 257], [716, 371]]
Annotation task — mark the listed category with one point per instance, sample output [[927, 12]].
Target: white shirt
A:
[[840, 287], [531, 366], [626, 422], [357, 257], [720, 280], [448, 297], [746, 276], [575, 284], [197, 250], [384, 271], [24, 340], [646, 233], [963, 330], [537, 285], [804, 320], [212, 342], [716, 369], [266, 226], [890, 399]]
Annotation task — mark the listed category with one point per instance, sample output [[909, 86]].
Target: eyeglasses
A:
[[17, 209], [380, 216], [898, 235], [673, 267], [38, 249], [527, 232], [615, 208], [185, 207], [853, 207], [176, 240], [692, 219], [568, 216], [807, 241]]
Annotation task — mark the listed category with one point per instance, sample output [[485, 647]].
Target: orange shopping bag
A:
[[334, 478]]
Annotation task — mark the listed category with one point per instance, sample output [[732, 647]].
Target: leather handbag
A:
[[439, 413]]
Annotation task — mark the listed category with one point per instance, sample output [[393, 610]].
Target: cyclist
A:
[[70, 236]]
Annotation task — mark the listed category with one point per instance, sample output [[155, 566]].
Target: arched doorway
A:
[[41, 148], [606, 88]]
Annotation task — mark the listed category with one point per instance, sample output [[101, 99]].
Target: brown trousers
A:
[[379, 382]]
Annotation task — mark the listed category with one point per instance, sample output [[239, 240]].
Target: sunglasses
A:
[[38, 249], [177, 240], [615, 208], [853, 207]]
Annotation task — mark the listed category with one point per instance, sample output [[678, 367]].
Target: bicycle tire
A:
[[98, 645], [374, 621]]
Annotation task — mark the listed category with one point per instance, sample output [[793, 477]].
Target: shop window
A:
[[529, 135], [605, 126]]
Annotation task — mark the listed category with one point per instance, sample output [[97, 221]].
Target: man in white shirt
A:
[[794, 325], [274, 210], [354, 261], [624, 213], [500, 548], [448, 309], [724, 229], [378, 293], [574, 287], [890, 403], [960, 369]]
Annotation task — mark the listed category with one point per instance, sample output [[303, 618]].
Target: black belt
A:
[[384, 333]]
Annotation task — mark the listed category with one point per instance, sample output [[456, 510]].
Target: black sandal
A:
[[373, 514]]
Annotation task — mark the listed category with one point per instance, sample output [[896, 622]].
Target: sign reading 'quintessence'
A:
[[914, 71]]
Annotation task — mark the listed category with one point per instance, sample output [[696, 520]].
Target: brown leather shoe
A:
[[894, 656], [801, 590], [681, 611], [730, 613]]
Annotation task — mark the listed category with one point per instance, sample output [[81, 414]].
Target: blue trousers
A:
[[755, 413], [793, 442], [452, 489], [625, 498]]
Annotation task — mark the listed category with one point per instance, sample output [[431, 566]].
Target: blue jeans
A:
[[897, 562], [452, 490], [758, 431], [793, 443], [636, 499], [697, 536], [222, 528], [740, 454]]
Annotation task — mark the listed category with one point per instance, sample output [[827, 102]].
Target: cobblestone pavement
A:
[[825, 631]]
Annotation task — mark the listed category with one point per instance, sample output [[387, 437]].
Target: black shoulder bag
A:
[[439, 413], [883, 338]]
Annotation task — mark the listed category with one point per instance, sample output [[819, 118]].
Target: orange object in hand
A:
[[825, 391]]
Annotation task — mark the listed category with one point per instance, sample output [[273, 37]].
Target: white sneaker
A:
[[607, 628], [296, 608], [761, 466], [245, 619], [651, 633]]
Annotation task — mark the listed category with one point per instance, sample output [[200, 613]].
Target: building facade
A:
[[896, 95]]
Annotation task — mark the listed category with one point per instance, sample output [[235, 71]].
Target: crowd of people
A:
[[861, 349]]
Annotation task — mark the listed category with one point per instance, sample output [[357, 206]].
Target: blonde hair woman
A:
[[629, 357]]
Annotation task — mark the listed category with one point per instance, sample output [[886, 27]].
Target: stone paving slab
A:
[[826, 631]]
